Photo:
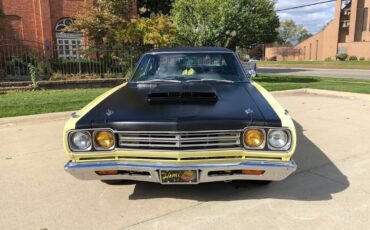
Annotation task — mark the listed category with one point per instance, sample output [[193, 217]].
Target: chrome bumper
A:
[[277, 170]]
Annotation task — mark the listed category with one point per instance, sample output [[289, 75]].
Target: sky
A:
[[314, 18]]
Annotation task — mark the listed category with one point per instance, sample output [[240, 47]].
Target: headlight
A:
[[80, 141], [104, 140], [279, 140], [254, 139]]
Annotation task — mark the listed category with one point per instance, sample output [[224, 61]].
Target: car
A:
[[186, 116]]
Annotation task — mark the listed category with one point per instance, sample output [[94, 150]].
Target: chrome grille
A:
[[179, 140]]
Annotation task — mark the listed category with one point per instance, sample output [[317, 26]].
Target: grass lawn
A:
[[317, 64], [46, 101], [26, 103]]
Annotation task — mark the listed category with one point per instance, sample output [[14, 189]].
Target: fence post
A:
[[47, 50], [79, 59]]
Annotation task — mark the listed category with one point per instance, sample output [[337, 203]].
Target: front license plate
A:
[[179, 176]]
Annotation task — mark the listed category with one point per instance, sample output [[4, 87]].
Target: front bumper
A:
[[274, 170]]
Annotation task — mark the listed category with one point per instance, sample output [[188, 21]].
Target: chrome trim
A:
[[263, 145], [96, 146], [274, 170], [178, 140], [70, 134], [287, 146]]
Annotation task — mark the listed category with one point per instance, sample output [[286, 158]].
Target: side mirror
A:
[[250, 68], [252, 73]]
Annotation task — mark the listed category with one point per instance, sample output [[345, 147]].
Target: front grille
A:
[[179, 140]]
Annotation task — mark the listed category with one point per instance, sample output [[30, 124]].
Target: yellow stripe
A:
[[71, 123], [286, 120]]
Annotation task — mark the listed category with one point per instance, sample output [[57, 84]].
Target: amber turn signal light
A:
[[104, 140], [107, 172], [254, 138], [253, 172]]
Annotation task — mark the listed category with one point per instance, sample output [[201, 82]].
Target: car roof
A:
[[190, 49]]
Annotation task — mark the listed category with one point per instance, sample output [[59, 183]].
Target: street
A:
[[337, 73], [330, 189]]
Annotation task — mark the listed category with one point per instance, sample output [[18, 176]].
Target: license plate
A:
[[179, 176]]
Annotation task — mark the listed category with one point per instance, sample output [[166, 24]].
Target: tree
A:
[[228, 23], [291, 34], [108, 22], [149, 8]]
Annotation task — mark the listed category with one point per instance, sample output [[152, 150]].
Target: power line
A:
[[302, 6]]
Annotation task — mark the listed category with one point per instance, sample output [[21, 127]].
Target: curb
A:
[[320, 92]]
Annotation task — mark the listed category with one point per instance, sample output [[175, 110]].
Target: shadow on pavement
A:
[[304, 184]]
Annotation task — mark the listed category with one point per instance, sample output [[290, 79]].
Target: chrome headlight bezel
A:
[[73, 146], [96, 146], [262, 146], [288, 144]]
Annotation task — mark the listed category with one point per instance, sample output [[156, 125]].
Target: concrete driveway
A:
[[337, 73], [330, 190]]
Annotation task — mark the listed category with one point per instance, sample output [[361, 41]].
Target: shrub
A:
[[2, 73], [60, 76], [328, 59], [34, 73], [362, 58], [342, 56], [352, 58]]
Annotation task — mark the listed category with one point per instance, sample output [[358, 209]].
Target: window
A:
[[189, 66], [365, 19], [68, 43]]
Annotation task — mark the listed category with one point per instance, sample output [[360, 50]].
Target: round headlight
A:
[[278, 139], [80, 141], [254, 138], [104, 140]]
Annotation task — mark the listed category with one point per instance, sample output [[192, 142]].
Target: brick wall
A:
[[35, 20], [353, 40]]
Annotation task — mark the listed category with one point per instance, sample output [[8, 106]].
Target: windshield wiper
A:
[[159, 81], [211, 80]]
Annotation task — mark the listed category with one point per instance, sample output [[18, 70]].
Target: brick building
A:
[[348, 32], [40, 21]]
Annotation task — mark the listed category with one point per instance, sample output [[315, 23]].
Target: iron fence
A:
[[66, 59]]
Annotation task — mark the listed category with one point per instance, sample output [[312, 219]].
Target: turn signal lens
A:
[[254, 138], [253, 172], [104, 140], [107, 172]]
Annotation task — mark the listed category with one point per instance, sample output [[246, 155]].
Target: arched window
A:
[[68, 43]]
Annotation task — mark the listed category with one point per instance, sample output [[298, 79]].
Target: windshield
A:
[[179, 67]]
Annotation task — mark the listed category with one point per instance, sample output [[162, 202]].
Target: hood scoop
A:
[[182, 97]]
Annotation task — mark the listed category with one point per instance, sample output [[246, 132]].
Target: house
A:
[[348, 32], [38, 22]]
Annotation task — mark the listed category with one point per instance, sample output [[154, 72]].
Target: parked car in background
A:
[[186, 116]]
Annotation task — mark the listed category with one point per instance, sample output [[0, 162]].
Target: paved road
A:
[[330, 190], [338, 73]]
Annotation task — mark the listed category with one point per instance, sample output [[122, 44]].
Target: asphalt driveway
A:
[[330, 190], [337, 73]]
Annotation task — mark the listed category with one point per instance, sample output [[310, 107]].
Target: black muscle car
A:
[[187, 115]]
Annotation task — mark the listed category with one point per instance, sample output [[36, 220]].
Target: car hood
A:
[[236, 106]]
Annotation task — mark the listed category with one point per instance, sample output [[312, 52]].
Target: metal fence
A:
[[66, 59]]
